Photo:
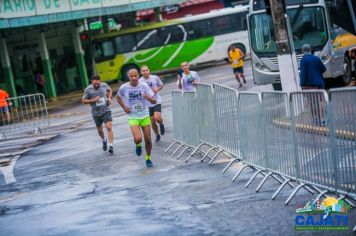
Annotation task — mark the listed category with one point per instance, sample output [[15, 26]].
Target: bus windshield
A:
[[308, 26]]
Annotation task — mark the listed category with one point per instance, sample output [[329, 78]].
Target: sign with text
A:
[[25, 8]]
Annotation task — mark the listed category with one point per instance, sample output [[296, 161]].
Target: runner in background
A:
[[236, 60], [156, 85], [98, 95]]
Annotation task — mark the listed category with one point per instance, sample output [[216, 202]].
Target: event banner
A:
[[25, 8]]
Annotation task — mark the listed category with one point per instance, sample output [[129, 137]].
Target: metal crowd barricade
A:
[[205, 119], [176, 112], [279, 142], [343, 133], [185, 122], [189, 118], [252, 135], [299, 137], [25, 113], [250, 127], [314, 160], [226, 122]]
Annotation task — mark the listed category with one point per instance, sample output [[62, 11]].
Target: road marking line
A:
[[12, 154], [8, 171]]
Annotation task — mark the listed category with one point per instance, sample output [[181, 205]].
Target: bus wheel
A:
[[277, 86], [346, 78], [125, 70]]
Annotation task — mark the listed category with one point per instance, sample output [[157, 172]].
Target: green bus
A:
[[164, 45]]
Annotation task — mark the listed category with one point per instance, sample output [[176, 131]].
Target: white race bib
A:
[[137, 107], [101, 102]]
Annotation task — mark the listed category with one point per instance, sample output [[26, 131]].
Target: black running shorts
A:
[[154, 109], [99, 120]]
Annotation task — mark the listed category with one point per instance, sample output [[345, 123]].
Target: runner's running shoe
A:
[[105, 144], [138, 150], [111, 150], [163, 130], [158, 138], [149, 163]]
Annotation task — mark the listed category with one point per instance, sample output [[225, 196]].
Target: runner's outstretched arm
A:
[[122, 104], [150, 99]]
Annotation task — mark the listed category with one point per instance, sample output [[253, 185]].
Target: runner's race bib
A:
[[137, 108], [101, 102]]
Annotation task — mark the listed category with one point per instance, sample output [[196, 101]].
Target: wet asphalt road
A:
[[67, 185]]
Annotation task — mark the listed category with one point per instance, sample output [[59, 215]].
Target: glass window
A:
[[172, 34], [148, 39], [103, 49], [260, 4], [239, 21], [199, 29], [262, 35], [125, 43], [222, 25], [230, 23], [307, 24]]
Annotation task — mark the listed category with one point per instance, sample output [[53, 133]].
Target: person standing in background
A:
[[39, 81], [4, 105], [352, 55], [189, 79], [311, 77], [311, 70]]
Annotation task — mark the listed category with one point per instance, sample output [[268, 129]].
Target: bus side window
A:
[[108, 48], [174, 33], [98, 53], [222, 25], [238, 22], [103, 49], [148, 39], [199, 29], [125, 43]]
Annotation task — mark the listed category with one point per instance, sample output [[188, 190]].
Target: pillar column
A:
[[47, 68], [79, 54], [5, 61]]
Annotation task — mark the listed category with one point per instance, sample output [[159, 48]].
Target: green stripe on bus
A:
[[190, 51]]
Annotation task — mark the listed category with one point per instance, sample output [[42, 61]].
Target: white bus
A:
[[165, 45], [310, 23]]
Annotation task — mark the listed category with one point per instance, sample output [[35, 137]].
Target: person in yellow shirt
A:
[[236, 60]]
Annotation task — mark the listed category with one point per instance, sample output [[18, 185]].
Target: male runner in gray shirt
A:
[[98, 95]]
